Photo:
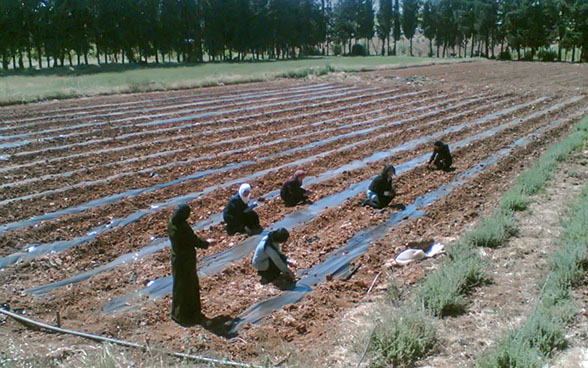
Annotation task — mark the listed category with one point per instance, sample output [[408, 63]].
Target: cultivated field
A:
[[87, 187]]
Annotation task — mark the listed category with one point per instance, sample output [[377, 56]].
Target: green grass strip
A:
[[69, 82], [533, 180], [544, 331]]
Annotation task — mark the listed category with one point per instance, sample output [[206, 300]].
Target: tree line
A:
[[45, 33]]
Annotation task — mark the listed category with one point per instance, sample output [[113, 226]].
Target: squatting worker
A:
[[186, 288], [239, 215], [269, 260], [441, 155], [381, 191], [292, 192]]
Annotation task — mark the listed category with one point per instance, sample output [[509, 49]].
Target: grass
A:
[[533, 180], [67, 82], [403, 336], [544, 331], [442, 292], [493, 231]]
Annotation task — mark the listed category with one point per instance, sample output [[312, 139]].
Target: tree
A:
[[396, 24], [428, 24], [410, 12], [384, 23], [365, 21]]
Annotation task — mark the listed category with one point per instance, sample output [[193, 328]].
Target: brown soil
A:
[[307, 326]]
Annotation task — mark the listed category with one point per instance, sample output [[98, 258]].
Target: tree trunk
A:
[[86, 57], [410, 43], [472, 46], [573, 53], [40, 56], [30, 58]]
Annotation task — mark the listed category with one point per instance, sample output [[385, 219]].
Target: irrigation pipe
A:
[[28, 321], [373, 283]]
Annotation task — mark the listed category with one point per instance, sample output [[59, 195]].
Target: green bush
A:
[[493, 231], [402, 338], [514, 200], [505, 55], [358, 50], [443, 291], [547, 55]]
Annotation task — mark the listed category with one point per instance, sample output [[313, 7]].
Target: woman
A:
[[186, 308], [441, 155], [239, 215], [269, 260], [381, 191], [292, 192]]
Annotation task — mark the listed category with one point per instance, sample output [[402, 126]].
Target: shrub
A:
[[402, 338], [442, 293], [493, 231], [527, 56], [547, 55], [357, 50], [514, 200], [505, 55]]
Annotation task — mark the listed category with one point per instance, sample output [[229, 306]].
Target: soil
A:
[[78, 151]]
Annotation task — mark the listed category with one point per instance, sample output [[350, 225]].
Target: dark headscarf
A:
[[386, 169], [279, 236], [181, 214]]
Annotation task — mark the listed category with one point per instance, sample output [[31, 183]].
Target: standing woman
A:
[[239, 215], [186, 308]]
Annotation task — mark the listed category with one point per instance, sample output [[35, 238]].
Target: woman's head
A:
[[245, 192], [299, 175], [280, 235], [389, 171], [181, 214]]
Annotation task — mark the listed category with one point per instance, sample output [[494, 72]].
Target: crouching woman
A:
[[269, 260]]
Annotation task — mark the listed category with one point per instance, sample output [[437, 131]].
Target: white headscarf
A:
[[242, 189]]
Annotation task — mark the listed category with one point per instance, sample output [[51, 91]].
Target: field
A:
[[88, 185]]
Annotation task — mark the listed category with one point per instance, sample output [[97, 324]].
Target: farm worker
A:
[[269, 260], [292, 192], [441, 155], [239, 215], [186, 289], [381, 191]]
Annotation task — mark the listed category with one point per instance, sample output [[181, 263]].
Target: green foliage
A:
[[443, 291], [404, 336], [493, 231], [505, 55], [514, 200], [358, 50], [547, 55]]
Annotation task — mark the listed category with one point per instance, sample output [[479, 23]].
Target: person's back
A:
[[268, 258]]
